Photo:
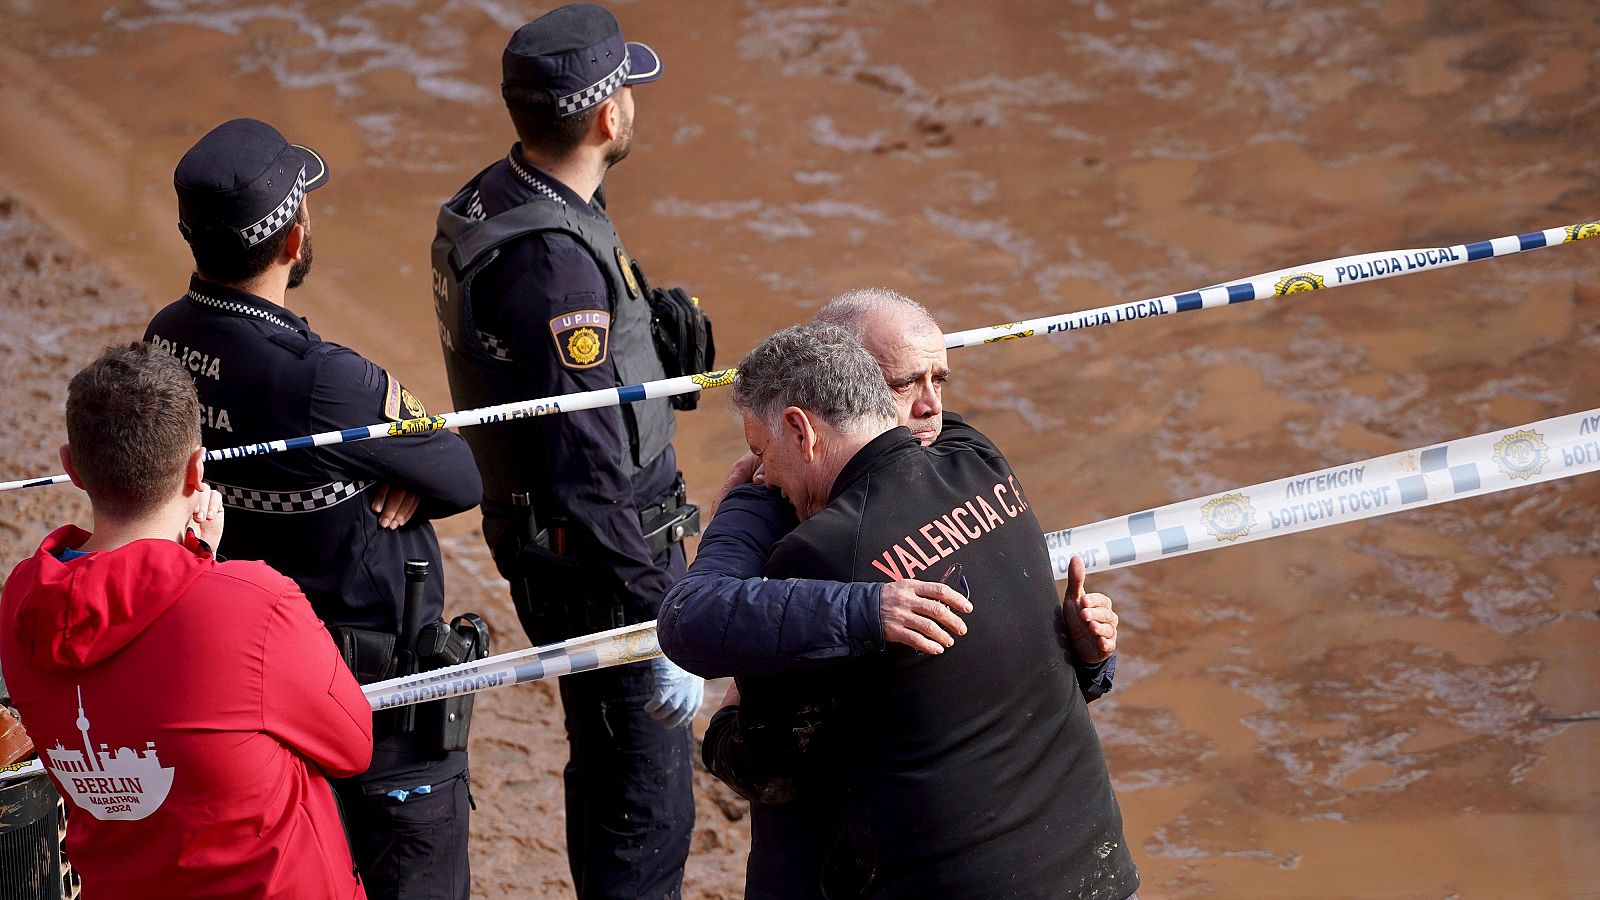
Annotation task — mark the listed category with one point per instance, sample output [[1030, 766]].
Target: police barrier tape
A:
[[1482, 464], [1294, 280], [1411, 479], [1330, 273], [580, 654]]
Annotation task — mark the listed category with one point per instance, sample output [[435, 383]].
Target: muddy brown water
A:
[[1394, 708]]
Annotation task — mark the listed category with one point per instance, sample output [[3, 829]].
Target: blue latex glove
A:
[[677, 693]]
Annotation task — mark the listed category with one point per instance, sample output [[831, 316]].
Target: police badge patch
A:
[[400, 404], [626, 266], [391, 398], [581, 337]]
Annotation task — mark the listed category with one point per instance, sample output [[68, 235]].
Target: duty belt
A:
[[663, 523]]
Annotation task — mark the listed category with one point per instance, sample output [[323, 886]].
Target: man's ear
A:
[[799, 431], [295, 243], [609, 118], [72, 470], [194, 472]]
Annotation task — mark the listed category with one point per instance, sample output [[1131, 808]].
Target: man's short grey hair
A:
[[820, 368], [851, 309]]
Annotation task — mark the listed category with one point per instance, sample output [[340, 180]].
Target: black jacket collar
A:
[[539, 182], [223, 299], [879, 452]]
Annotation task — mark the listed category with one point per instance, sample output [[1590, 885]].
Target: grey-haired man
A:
[[947, 769]]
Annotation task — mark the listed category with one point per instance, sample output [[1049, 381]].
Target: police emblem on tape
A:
[[1582, 231], [1298, 283], [1521, 454], [636, 646], [582, 337], [997, 338], [1228, 517], [719, 378], [419, 425]]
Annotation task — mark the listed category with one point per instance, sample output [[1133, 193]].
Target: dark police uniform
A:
[[263, 374], [974, 773], [536, 297]]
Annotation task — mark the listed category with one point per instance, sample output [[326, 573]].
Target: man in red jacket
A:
[[190, 709]]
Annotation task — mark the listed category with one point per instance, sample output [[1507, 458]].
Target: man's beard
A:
[[302, 266], [624, 143]]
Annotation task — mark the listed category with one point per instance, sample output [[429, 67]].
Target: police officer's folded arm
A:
[[722, 618], [438, 467]]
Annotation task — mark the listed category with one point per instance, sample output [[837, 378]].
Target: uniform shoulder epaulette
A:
[[294, 343]]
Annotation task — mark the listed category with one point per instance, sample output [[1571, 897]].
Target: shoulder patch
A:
[[582, 337], [391, 398]]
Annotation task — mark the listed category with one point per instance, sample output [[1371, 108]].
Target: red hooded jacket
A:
[[189, 710]]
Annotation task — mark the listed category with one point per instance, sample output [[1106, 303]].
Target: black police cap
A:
[[243, 178], [576, 53]]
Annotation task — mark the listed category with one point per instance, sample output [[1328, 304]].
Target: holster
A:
[[443, 725], [556, 597], [670, 519], [682, 332]]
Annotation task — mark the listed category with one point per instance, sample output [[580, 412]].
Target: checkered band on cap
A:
[[595, 93], [328, 495], [272, 221]]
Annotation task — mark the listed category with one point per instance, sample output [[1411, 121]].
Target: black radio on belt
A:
[[670, 520], [682, 333]]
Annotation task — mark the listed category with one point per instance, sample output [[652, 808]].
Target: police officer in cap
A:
[[583, 511], [341, 520]]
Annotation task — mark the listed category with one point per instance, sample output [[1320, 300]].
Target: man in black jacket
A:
[[720, 619], [971, 773]]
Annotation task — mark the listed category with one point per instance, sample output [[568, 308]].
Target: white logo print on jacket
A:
[[126, 785]]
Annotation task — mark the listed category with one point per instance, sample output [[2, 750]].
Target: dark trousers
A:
[[407, 820], [630, 807], [629, 781]]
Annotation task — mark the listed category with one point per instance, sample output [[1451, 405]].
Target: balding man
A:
[[722, 619], [908, 346], [970, 773]]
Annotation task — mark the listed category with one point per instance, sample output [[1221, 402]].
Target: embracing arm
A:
[[722, 618]]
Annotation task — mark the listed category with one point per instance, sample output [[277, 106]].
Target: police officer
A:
[[583, 511], [340, 520]]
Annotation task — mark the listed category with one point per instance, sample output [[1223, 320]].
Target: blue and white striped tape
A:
[[1483, 464], [1468, 467], [1329, 273], [1299, 279]]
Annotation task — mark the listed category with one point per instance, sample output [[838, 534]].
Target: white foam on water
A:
[[337, 50]]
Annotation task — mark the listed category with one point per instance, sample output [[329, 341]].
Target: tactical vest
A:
[[481, 375]]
